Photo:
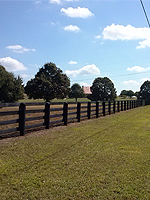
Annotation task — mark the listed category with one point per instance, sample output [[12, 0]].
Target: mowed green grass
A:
[[54, 100], [104, 158], [69, 99]]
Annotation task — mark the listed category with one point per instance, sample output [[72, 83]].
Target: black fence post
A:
[[103, 108], [89, 110], [118, 106], [114, 107], [65, 113], [22, 111], [127, 105], [134, 104], [97, 109], [78, 111], [137, 103], [109, 107], [47, 115], [121, 105], [130, 105]]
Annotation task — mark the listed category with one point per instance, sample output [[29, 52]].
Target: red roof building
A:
[[86, 90]]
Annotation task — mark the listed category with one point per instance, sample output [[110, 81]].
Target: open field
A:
[[104, 158], [54, 100], [69, 100]]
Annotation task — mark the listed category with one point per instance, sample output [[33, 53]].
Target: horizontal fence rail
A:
[[23, 116]]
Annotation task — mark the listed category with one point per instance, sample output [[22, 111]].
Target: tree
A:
[[129, 93], [103, 89], [145, 91], [76, 91], [49, 83], [11, 87], [137, 94], [123, 93]]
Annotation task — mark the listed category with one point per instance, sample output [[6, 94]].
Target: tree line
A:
[[50, 82]]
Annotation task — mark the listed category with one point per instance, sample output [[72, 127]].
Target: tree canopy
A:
[[49, 83], [145, 91], [103, 89], [76, 91], [129, 93], [11, 87]]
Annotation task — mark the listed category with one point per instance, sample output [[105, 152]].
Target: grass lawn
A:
[[69, 100], [105, 158], [54, 100]]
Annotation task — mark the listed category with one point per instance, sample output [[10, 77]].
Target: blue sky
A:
[[85, 38]]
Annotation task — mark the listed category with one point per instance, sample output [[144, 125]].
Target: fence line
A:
[[55, 113]]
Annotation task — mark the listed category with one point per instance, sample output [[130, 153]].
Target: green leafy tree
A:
[[129, 93], [145, 91], [11, 87], [49, 83], [123, 93], [137, 94], [76, 91], [103, 89]]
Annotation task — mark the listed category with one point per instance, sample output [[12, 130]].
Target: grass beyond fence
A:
[[104, 158]]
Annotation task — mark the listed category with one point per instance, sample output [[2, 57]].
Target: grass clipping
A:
[[105, 158]]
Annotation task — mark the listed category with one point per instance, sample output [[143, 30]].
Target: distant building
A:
[[86, 90]]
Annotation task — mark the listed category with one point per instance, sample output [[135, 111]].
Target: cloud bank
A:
[[72, 28], [120, 32], [19, 49], [77, 12], [131, 83], [86, 70], [72, 62], [60, 1], [12, 64], [138, 69]]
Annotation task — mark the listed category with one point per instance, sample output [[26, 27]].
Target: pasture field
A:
[[70, 100], [54, 100], [104, 158]]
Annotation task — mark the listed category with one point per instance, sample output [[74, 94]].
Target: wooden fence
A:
[[21, 117]]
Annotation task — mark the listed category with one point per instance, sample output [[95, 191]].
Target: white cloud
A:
[[144, 44], [98, 37], [77, 12], [60, 1], [72, 62], [86, 70], [130, 83], [71, 28], [138, 69], [120, 32], [38, 2], [24, 75], [84, 84], [18, 48], [53, 24], [55, 1], [144, 79], [11, 64]]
